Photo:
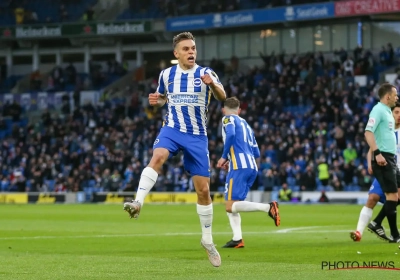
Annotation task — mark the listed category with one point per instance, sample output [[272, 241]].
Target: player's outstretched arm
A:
[[157, 99]]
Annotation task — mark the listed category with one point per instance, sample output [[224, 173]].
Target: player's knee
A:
[[371, 202], [228, 206], [203, 192], [158, 159]]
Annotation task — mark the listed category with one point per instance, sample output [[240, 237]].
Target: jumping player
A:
[[187, 89], [240, 154], [376, 193]]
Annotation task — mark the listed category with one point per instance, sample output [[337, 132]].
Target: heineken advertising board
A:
[[72, 30]]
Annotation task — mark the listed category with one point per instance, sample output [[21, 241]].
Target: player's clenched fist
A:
[[207, 79], [153, 98]]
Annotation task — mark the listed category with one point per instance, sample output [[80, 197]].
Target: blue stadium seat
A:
[[50, 184], [4, 186], [295, 188], [274, 195], [291, 181]]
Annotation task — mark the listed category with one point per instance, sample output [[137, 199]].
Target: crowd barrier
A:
[[172, 197]]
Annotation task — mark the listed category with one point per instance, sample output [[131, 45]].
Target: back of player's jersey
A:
[[244, 150]]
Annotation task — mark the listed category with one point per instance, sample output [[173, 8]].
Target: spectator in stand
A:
[[285, 194], [63, 13], [349, 154], [19, 13], [348, 67], [332, 110], [89, 14], [323, 171]]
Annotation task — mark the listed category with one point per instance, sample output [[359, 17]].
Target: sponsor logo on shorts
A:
[[156, 142]]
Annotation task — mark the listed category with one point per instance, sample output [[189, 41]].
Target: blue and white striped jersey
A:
[[397, 133], [240, 145], [188, 98]]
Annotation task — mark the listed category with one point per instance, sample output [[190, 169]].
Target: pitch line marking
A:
[[282, 231]]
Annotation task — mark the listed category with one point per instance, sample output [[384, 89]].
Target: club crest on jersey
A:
[[197, 82], [227, 120]]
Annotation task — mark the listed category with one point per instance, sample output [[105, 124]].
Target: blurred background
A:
[[75, 76]]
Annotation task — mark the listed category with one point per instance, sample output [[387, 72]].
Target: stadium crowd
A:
[[307, 113]]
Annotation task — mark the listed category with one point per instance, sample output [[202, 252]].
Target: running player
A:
[[187, 89], [376, 194], [239, 154]]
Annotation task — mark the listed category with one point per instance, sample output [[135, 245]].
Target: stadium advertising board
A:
[[38, 31], [251, 17], [13, 198], [46, 198], [155, 197], [365, 7], [77, 29], [24, 198]]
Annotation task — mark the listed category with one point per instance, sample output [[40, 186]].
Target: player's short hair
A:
[[182, 36], [232, 103], [397, 105], [384, 89]]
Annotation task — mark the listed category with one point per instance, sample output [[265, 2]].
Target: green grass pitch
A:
[[101, 242]]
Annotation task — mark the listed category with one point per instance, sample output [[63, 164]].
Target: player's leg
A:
[[375, 226], [237, 194], [377, 222], [392, 211], [365, 216], [236, 224], [375, 194], [387, 178], [164, 147], [234, 218], [197, 163]]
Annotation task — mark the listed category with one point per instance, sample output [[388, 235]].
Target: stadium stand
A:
[[42, 11], [307, 112]]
